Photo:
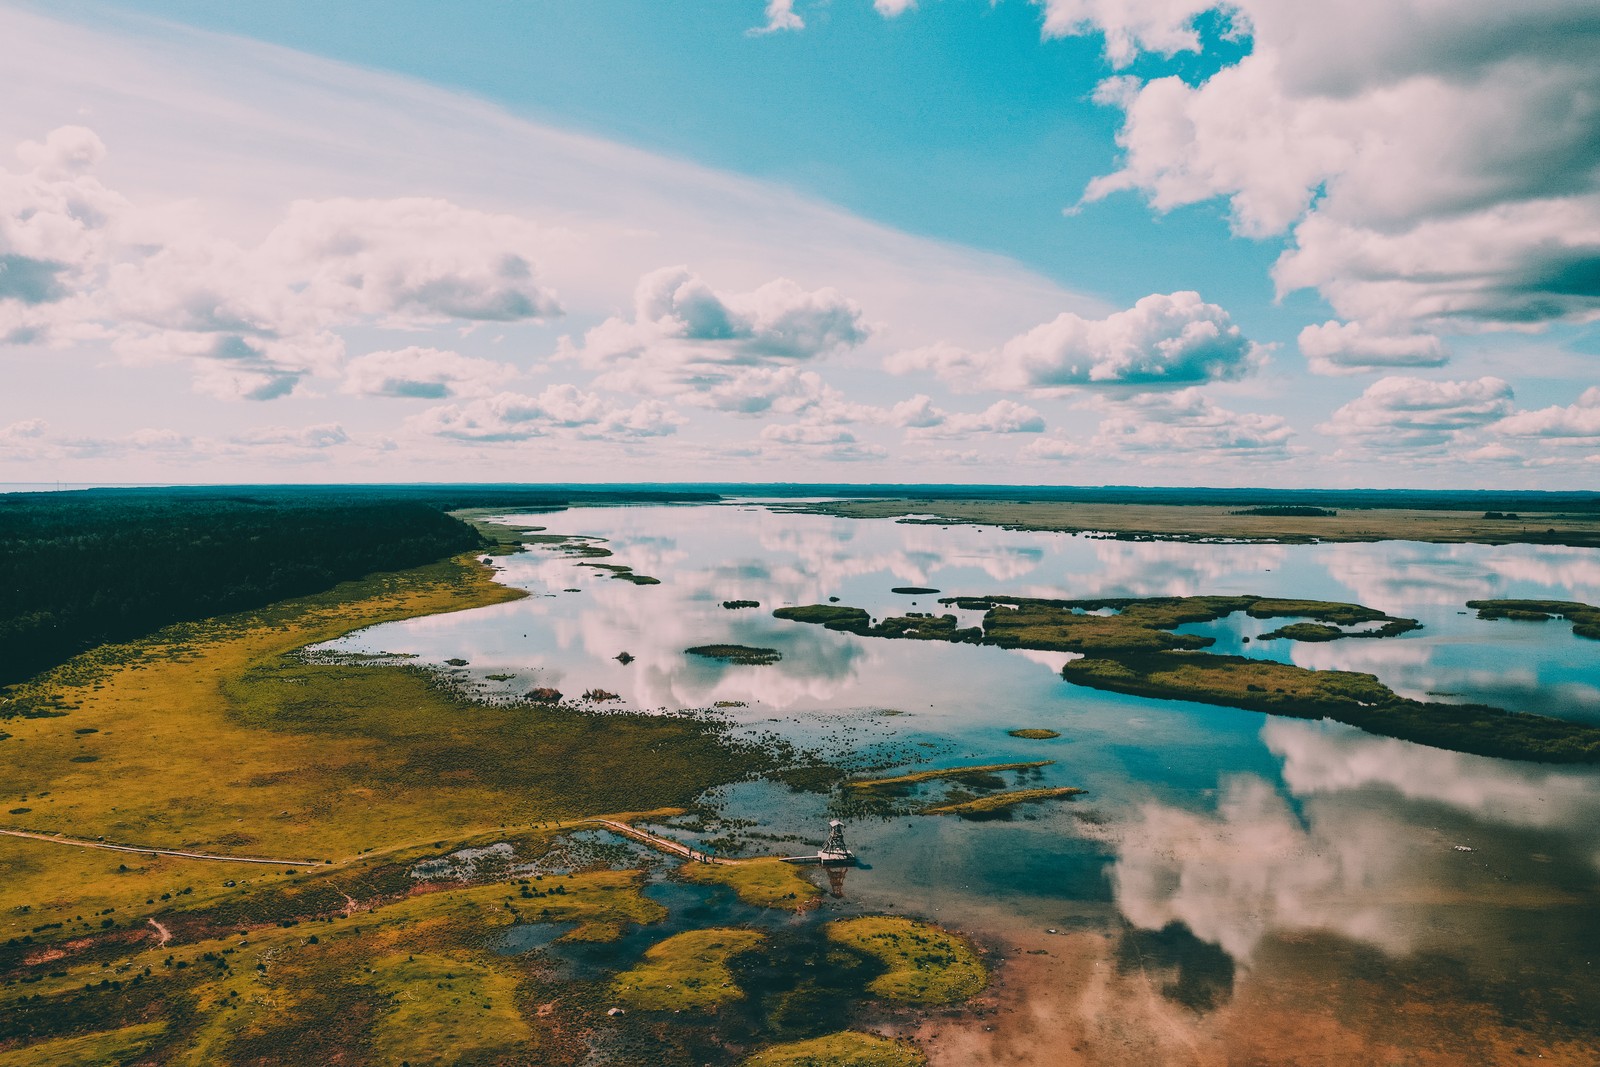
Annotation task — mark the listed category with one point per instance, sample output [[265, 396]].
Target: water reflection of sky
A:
[[1239, 828]]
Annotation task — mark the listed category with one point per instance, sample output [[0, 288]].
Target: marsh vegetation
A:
[[1132, 645]]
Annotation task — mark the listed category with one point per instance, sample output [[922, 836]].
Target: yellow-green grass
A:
[[90, 1050], [916, 777], [766, 883], [349, 984], [1032, 734], [999, 802], [1192, 521], [214, 736], [687, 971], [177, 764], [847, 1048], [445, 1009], [926, 964]]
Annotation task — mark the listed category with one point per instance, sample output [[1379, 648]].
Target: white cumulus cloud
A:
[[780, 16], [1164, 340], [922, 418], [1186, 426], [732, 351], [428, 373], [79, 261], [1576, 420], [1411, 414], [1347, 348], [558, 408], [1436, 165]]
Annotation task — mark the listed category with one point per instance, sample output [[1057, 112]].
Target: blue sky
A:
[[613, 240]]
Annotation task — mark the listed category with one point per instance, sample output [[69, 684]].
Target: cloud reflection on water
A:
[[1383, 842]]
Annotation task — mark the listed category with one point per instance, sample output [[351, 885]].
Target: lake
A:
[[1230, 883]]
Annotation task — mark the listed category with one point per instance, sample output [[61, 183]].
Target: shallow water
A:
[[1269, 853]]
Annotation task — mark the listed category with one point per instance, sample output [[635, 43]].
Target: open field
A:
[[1198, 521]]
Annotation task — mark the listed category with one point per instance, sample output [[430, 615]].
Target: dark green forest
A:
[[78, 569]]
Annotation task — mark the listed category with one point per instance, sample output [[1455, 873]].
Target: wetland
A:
[[1177, 793]]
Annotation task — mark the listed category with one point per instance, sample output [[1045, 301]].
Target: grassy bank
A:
[[1140, 521]]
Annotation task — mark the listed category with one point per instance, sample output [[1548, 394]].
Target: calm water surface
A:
[[1223, 852]]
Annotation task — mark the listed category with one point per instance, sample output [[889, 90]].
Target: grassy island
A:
[[915, 626], [1345, 696], [747, 655], [768, 883], [1033, 734], [847, 1048], [686, 972], [1131, 645], [1585, 618], [999, 805], [952, 774], [926, 964], [621, 573]]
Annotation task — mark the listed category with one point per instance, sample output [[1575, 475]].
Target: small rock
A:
[[615, 1011]]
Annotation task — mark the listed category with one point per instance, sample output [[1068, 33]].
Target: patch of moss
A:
[[735, 605], [925, 963], [767, 883], [687, 971], [999, 805], [742, 654], [446, 1009], [846, 1048], [1034, 734]]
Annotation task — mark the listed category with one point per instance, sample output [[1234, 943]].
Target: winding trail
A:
[[166, 935], [78, 842]]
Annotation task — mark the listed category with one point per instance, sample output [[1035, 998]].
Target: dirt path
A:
[[78, 842], [166, 935]]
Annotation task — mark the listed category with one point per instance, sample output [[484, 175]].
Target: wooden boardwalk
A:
[[664, 844]]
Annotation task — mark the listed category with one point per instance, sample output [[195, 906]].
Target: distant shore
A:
[[1202, 522]]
